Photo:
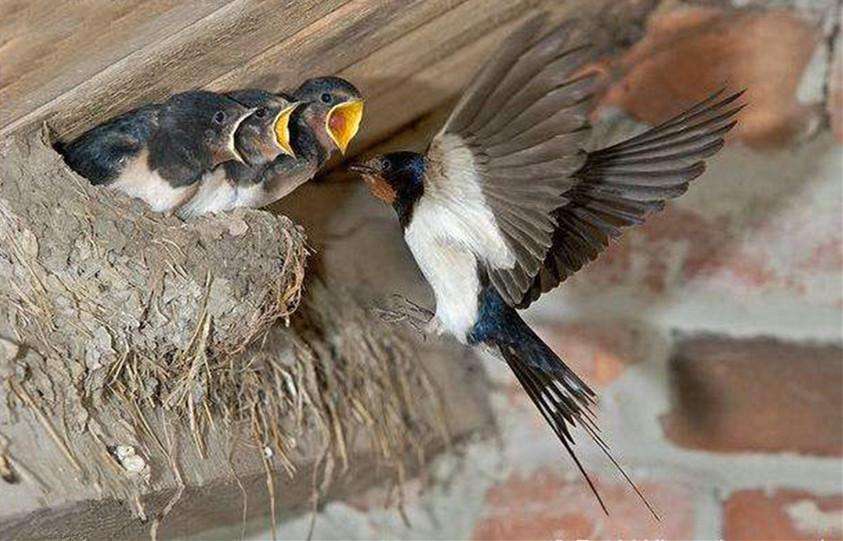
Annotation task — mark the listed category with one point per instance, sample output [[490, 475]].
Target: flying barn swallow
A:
[[159, 152], [323, 114], [506, 204]]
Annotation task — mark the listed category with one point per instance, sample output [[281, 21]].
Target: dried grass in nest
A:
[[119, 315]]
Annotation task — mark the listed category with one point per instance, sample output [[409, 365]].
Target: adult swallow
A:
[[159, 152], [324, 115], [506, 204]]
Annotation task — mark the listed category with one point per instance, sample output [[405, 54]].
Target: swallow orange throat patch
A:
[[382, 190]]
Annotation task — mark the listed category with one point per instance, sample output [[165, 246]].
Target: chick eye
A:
[[260, 113], [326, 98], [219, 117]]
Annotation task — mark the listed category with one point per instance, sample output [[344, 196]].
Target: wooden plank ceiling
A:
[[77, 62]]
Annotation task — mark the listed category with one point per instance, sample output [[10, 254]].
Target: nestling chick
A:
[[334, 112], [506, 204], [159, 152], [261, 138], [265, 134], [326, 115]]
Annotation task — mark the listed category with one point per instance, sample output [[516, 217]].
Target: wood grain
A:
[[190, 57], [49, 48], [93, 59]]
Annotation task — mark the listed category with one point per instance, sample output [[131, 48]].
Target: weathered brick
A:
[[786, 515], [544, 505], [689, 51], [597, 352], [754, 226], [763, 395]]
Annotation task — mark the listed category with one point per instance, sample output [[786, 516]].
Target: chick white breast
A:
[[138, 180]]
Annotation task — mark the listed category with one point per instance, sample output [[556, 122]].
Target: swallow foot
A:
[[434, 327], [403, 310]]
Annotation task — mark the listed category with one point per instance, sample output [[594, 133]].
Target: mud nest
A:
[[110, 314]]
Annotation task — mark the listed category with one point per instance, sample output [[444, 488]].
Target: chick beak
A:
[[343, 122], [281, 126], [231, 147]]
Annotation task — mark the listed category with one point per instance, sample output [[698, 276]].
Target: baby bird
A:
[[263, 138], [506, 204], [159, 152], [324, 114], [265, 135]]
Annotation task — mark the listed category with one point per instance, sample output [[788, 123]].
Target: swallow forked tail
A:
[[563, 399]]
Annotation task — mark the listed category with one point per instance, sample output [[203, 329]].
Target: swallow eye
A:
[[260, 113], [219, 117], [326, 98]]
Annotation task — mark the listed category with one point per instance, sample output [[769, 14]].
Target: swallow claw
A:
[[405, 311]]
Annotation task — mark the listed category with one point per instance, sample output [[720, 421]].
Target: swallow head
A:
[[397, 179], [205, 123], [265, 134], [336, 110]]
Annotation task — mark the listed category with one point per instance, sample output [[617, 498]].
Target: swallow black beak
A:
[[362, 168]]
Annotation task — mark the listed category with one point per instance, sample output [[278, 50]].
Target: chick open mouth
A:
[[232, 138], [343, 122], [281, 128]]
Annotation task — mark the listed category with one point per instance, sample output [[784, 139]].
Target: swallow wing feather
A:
[[516, 133], [620, 185]]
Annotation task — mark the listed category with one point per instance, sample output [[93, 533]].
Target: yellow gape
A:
[[282, 129], [343, 122]]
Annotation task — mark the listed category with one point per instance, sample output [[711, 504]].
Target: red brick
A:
[[698, 247], [786, 515], [689, 51], [544, 505], [597, 352], [763, 395]]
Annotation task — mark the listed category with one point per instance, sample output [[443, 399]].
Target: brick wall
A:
[[713, 333]]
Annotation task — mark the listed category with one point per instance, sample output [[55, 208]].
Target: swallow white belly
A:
[[138, 180], [257, 195], [449, 267], [276, 185], [215, 194]]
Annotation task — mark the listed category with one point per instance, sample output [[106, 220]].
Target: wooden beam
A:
[[50, 48], [194, 54], [407, 56]]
